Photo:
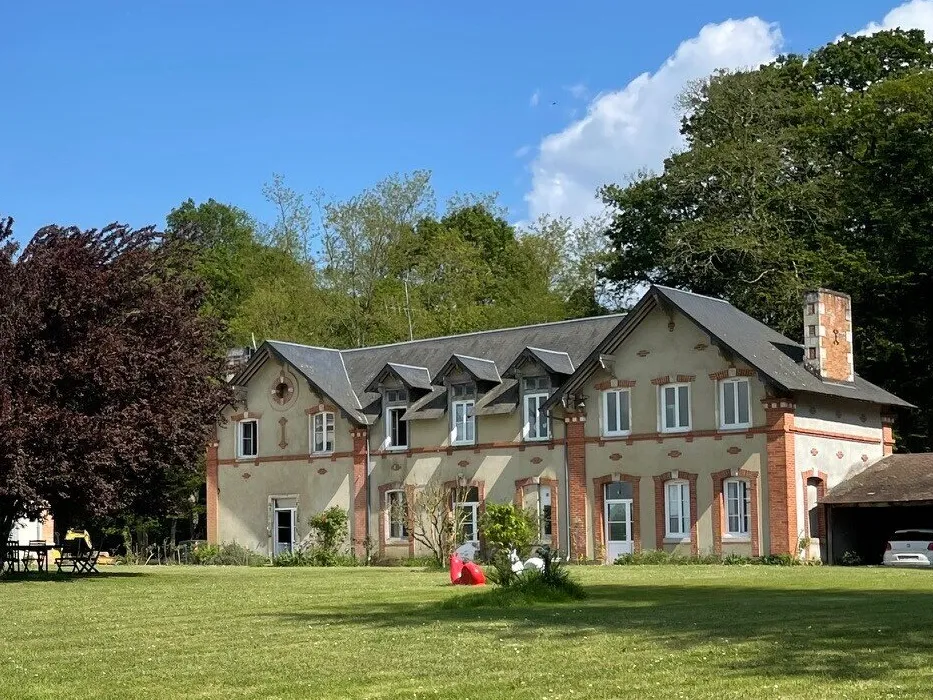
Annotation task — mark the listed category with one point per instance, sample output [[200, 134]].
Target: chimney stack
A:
[[827, 331]]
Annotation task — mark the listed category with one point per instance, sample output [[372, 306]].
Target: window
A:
[[738, 507], [467, 513], [396, 428], [811, 353], [811, 331], [733, 402], [537, 425], [811, 309], [464, 428], [617, 412], [675, 407], [285, 524], [322, 433], [677, 509], [395, 396], [537, 499], [247, 438], [397, 515]]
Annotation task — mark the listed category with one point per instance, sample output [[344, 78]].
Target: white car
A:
[[909, 548]]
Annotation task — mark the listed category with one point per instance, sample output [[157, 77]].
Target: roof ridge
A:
[[490, 330], [473, 357], [556, 352], [302, 345], [402, 364], [695, 294]]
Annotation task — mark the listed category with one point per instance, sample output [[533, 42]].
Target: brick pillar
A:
[[358, 528], [212, 491], [887, 434], [576, 485], [781, 469]]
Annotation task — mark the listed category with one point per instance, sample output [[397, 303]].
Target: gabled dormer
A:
[[537, 372], [398, 386]]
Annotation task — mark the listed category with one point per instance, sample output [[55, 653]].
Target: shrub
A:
[[232, 554], [505, 527], [329, 530], [552, 584], [313, 556], [850, 558]]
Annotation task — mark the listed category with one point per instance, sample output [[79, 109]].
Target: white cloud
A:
[[535, 98], [522, 152], [578, 91], [916, 14], [637, 127]]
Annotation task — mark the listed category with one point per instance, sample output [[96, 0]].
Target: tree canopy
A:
[[110, 372], [810, 171]]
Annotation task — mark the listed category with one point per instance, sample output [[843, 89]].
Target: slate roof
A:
[[344, 375], [555, 361], [900, 478], [413, 377], [775, 356], [479, 368]]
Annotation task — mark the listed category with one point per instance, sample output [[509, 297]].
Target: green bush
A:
[[505, 527], [313, 556], [329, 530], [850, 558], [551, 584], [660, 557], [231, 554]]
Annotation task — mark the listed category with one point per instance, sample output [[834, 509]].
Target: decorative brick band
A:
[[615, 383], [551, 484], [688, 436], [321, 408], [683, 378], [599, 503], [246, 415], [305, 457], [658, 381], [660, 509], [719, 507], [732, 372], [848, 437]]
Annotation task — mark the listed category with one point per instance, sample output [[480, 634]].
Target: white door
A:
[[618, 518], [283, 530]]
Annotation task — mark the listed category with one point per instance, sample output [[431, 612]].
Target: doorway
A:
[[618, 518], [284, 525]]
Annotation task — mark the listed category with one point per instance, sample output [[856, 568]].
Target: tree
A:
[[809, 171], [505, 527], [109, 371], [435, 523]]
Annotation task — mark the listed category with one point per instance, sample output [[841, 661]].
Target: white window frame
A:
[[608, 395], [473, 507], [742, 533], [662, 407], [469, 419], [312, 427], [390, 440], [683, 489], [539, 490], [388, 516], [735, 382], [534, 421], [239, 439]]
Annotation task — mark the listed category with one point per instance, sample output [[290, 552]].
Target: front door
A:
[[283, 530], [618, 517]]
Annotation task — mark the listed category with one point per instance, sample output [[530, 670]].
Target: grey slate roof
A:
[[480, 368], [556, 361], [897, 478], [344, 375], [413, 377], [772, 354], [775, 356]]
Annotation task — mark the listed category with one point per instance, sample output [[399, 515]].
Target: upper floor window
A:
[[464, 422], [677, 509], [397, 515], [617, 412], [537, 426], [396, 396], [247, 440], [322, 433], [396, 428], [675, 407], [462, 391], [733, 400], [738, 507]]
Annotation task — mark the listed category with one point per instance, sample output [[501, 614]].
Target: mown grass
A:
[[642, 632]]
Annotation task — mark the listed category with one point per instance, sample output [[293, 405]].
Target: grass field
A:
[[644, 632]]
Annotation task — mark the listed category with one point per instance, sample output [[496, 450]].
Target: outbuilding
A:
[[862, 512]]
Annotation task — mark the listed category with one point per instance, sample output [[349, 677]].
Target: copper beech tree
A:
[[110, 375]]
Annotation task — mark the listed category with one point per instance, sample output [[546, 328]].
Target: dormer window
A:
[[396, 428], [535, 394], [463, 420]]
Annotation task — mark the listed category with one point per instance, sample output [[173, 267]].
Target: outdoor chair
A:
[[87, 564], [9, 556], [70, 553], [38, 556]]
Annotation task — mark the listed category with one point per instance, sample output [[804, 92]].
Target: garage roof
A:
[[899, 478]]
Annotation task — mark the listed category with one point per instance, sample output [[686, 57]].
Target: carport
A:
[[894, 493]]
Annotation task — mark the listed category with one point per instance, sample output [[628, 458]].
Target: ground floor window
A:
[[537, 499], [738, 507], [677, 509], [397, 514], [466, 510]]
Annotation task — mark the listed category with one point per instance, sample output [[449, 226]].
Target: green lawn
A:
[[644, 632]]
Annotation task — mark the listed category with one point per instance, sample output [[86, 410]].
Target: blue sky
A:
[[119, 110]]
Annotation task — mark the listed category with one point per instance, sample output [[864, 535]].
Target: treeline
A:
[[386, 264]]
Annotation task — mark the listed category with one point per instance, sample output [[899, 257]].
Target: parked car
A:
[[909, 548]]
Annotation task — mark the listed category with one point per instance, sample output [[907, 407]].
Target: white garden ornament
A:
[[531, 563]]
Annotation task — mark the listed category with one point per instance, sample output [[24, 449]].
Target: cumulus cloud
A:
[[637, 127], [916, 14]]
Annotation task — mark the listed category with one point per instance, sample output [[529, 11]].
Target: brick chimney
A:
[[827, 331]]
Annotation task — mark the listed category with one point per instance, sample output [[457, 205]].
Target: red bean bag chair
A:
[[456, 568], [472, 575]]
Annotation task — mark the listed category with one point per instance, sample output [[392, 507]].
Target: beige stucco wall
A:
[[245, 486]]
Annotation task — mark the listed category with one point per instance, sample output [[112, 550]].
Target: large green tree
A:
[[810, 171]]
